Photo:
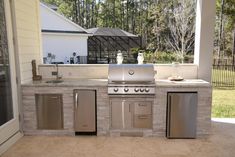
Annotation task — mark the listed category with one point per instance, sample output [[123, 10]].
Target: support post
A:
[[204, 37]]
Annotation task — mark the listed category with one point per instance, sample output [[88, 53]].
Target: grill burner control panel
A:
[[131, 90]]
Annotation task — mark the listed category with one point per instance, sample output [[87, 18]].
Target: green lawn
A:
[[223, 103]]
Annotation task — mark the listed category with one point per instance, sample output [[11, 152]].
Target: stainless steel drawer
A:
[[143, 121], [141, 108]]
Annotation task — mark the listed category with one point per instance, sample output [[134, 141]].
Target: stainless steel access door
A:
[[181, 115], [85, 110], [49, 111], [121, 116]]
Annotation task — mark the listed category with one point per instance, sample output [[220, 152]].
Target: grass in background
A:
[[223, 103]]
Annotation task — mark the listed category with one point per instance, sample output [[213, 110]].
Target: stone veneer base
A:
[[103, 111]]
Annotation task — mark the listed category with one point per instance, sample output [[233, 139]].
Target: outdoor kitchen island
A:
[[159, 106]]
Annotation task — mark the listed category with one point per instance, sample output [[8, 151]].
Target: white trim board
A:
[[5, 146], [11, 127], [66, 34]]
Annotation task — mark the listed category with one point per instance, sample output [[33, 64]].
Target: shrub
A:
[[164, 57], [159, 57]]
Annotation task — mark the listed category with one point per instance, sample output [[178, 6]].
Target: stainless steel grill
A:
[[131, 79]]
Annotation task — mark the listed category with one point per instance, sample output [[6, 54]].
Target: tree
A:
[[182, 27], [158, 23], [221, 28], [225, 25]]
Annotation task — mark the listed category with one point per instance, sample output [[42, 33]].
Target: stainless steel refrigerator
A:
[[181, 114], [85, 111]]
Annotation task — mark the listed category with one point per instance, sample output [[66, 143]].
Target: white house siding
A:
[[28, 35], [63, 45], [51, 20]]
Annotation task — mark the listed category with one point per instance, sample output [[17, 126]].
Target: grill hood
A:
[[131, 73]]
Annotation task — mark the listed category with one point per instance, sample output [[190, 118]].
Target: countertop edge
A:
[[164, 83]]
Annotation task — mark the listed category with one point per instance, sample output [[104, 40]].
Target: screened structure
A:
[[105, 43]]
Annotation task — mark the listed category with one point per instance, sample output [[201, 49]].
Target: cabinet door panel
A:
[[116, 112], [121, 112], [85, 120], [49, 111], [182, 113]]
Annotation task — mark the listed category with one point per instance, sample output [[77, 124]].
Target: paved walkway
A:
[[221, 143]]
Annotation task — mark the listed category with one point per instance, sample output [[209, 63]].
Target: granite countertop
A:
[[104, 82], [183, 83], [68, 83]]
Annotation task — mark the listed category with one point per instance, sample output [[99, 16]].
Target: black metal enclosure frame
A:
[[102, 49]]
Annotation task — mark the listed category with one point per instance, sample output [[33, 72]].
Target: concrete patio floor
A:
[[220, 144]]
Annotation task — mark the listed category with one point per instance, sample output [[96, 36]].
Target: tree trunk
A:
[[75, 14], [87, 9], [78, 12], [123, 15], [92, 13], [220, 30], [97, 14], [127, 17], [83, 12], [114, 15], [233, 54]]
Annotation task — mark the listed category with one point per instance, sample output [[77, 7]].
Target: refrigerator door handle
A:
[[169, 116], [76, 100]]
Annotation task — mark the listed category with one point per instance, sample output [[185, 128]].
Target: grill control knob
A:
[[147, 90], [126, 89], [137, 89], [131, 72], [115, 89], [141, 89]]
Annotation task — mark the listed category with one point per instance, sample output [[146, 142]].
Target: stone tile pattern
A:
[[187, 71], [203, 109], [30, 117], [103, 111], [29, 109], [103, 108]]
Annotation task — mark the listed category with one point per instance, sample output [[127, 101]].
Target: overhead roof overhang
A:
[[83, 33]]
